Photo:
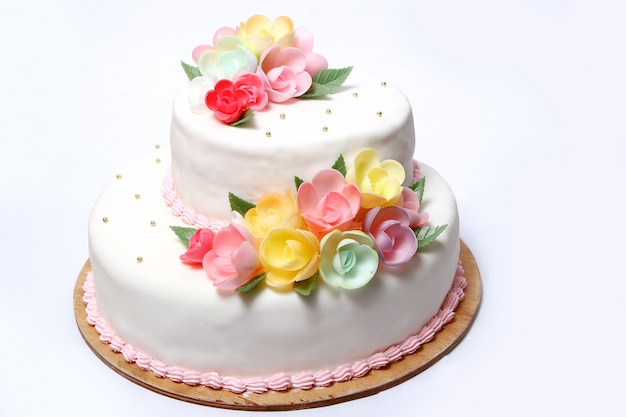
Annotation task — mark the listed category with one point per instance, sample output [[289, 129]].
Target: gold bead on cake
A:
[[152, 223], [355, 95], [379, 114], [383, 84], [158, 160], [282, 116], [325, 129], [268, 134], [137, 196], [118, 176], [329, 111], [105, 220], [139, 259]]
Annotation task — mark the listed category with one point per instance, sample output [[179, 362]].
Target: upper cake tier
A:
[[299, 137]]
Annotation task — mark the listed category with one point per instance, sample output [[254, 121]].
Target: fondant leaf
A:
[[298, 181], [246, 116], [327, 82], [191, 71], [250, 285], [418, 187], [239, 205], [306, 287], [340, 165], [427, 234], [184, 233]]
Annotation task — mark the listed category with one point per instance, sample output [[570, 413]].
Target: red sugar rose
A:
[[229, 101]]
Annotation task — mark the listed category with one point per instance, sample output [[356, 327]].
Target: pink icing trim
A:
[[280, 381], [186, 214]]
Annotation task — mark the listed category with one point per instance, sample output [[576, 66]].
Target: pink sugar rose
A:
[[283, 71], [234, 259], [395, 241], [199, 244], [410, 202], [328, 203], [254, 87]]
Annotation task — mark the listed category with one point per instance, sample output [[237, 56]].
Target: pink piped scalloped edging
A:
[[280, 381], [179, 209]]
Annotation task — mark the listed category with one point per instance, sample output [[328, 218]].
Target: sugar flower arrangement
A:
[[256, 63], [340, 227]]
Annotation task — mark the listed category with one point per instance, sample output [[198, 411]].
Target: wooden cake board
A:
[[375, 381]]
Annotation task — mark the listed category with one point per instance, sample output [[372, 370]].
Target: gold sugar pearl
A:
[[139, 259], [282, 116], [355, 95], [105, 220], [118, 176], [268, 134], [137, 196], [379, 114], [329, 111], [383, 84], [158, 160], [158, 146], [152, 223], [325, 129]]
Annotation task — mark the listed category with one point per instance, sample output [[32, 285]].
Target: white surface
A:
[[519, 105]]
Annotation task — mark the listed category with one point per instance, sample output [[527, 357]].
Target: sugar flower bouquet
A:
[[339, 227], [256, 63]]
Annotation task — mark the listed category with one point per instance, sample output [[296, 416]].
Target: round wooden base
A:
[[375, 381]]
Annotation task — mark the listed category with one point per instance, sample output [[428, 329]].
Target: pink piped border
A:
[[280, 381], [179, 209]]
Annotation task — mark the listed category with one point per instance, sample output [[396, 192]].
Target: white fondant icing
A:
[[172, 312], [211, 159]]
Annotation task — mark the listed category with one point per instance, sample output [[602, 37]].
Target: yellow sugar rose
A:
[[273, 210], [259, 33], [288, 256], [380, 183]]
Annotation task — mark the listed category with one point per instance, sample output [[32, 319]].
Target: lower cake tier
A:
[[172, 312]]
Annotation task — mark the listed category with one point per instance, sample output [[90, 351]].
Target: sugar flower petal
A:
[[380, 183], [273, 210], [328, 203], [347, 259], [395, 241], [198, 87], [234, 258], [289, 255]]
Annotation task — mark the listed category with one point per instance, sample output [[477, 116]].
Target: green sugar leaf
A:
[[418, 187], [427, 234], [298, 181], [306, 287], [239, 205], [249, 114], [327, 82], [184, 233], [340, 165], [191, 71], [250, 285]]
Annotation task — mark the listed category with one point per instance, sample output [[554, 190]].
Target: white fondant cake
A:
[[172, 310], [354, 242]]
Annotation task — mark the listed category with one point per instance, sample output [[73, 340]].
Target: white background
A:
[[520, 105]]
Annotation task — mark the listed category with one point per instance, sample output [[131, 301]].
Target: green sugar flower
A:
[[347, 259]]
